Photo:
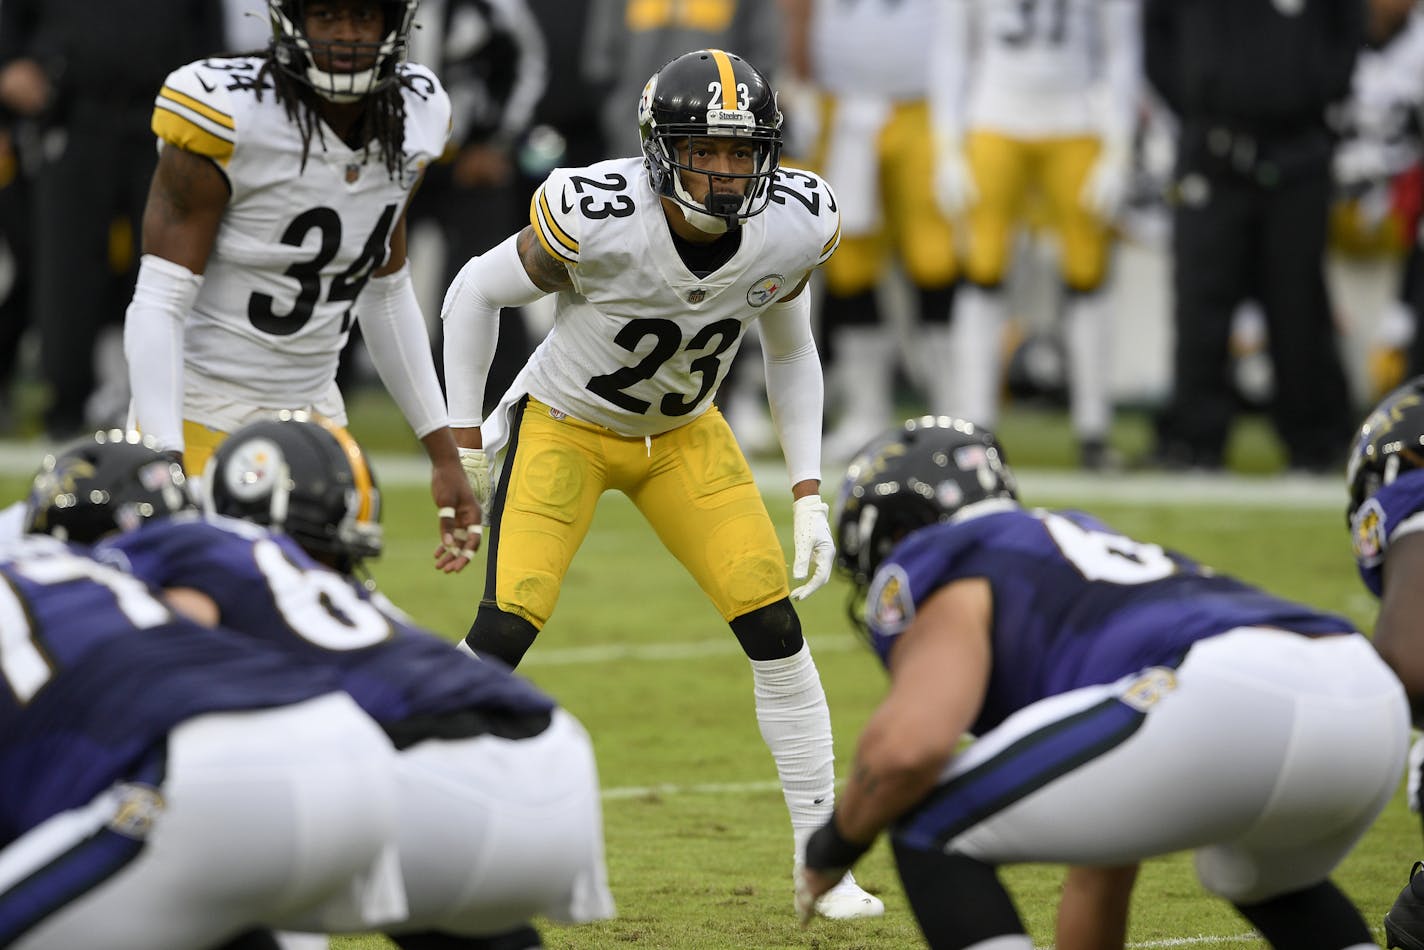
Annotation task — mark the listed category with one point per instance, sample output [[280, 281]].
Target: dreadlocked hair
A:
[[382, 122]]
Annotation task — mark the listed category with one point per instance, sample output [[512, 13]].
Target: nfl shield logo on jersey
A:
[[353, 172], [696, 296]]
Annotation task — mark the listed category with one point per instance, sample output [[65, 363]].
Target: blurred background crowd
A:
[[1191, 211]]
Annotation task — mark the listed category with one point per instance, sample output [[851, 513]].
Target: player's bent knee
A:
[[497, 633], [772, 632]]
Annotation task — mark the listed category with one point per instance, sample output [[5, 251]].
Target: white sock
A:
[[796, 725], [1087, 335], [977, 332], [1006, 942]]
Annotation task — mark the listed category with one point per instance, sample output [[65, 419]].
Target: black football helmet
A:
[[104, 483], [304, 476], [702, 94], [915, 475], [294, 50], [1390, 441]]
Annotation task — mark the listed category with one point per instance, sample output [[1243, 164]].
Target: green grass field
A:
[[699, 845]]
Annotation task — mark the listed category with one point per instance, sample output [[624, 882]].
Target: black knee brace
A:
[[500, 634], [772, 632]]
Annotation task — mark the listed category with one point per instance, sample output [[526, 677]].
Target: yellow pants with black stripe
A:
[[692, 484]]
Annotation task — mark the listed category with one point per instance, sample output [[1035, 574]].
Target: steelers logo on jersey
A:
[[1367, 531], [765, 290]]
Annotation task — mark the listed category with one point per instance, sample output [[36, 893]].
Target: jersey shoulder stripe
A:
[[831, 244], [194, 112], [554, 224]]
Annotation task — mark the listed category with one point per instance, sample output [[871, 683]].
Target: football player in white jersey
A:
[[275, 219], [868, 65], [659, 264], [1035, 99]]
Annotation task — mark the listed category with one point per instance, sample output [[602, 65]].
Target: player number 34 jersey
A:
[[298, 241]]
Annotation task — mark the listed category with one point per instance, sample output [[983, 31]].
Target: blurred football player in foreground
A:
[[1126, 703], [499, 810], [167, 786]]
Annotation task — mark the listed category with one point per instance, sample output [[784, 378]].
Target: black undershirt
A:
[[703, 259]]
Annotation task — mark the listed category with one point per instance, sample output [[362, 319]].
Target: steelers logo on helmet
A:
[[252, 471]]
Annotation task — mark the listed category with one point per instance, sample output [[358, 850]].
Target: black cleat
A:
[[1404, 924]]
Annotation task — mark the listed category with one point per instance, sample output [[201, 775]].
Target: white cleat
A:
[[849, 901]]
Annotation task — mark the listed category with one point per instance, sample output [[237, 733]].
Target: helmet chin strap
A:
[[706, 221]]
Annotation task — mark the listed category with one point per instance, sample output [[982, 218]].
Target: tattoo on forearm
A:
[[547, 273]]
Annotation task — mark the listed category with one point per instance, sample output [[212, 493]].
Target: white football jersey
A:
[[641, 344], [872, 48], [297, 242], [1037, 65]]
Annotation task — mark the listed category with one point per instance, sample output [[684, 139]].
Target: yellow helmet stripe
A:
[[727, 77], [359, 471]]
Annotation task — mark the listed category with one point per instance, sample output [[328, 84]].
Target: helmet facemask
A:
[[717, 212], [302, 58]]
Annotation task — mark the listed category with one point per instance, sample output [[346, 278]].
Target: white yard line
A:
[[657, 652], [1267, 491]]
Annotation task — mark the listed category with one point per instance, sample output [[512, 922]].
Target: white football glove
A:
[[954, 182], [815, 549], [476, 463], [1105, 188]]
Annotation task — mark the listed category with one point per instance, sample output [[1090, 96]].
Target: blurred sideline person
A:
[[277, 217], [170, 787], [659, 264], [1035, 102], [869, 66], [1086, 663], [1385, 477], [626, 41], [80, 77], [491, 57], [1251, 85], [497, 793]]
